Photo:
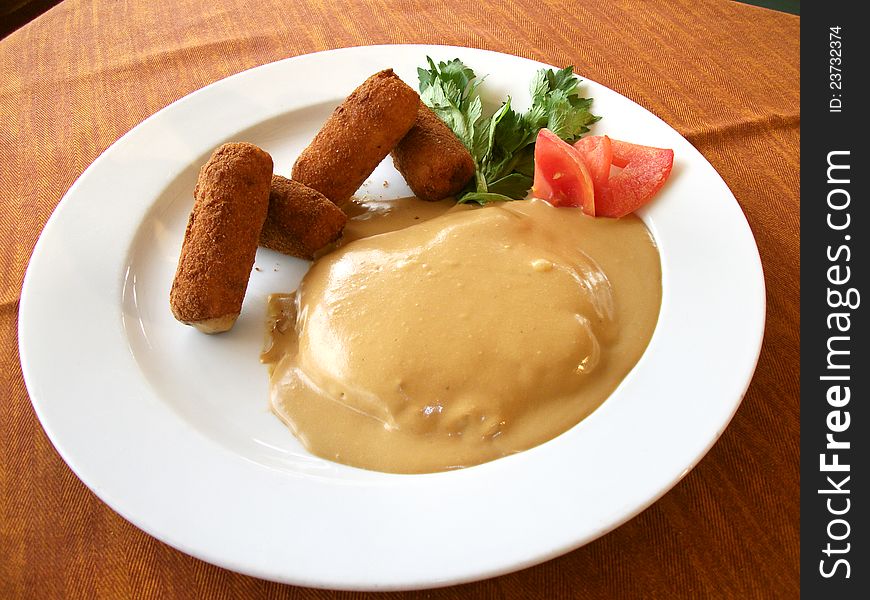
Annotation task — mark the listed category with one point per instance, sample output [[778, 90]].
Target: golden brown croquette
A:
[[357, 136], [231, 199], [301, 220], [434, 162]]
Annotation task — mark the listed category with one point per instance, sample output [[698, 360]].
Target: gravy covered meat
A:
[[464, 338]]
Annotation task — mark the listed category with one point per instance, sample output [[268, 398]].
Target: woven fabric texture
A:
[[724, 74]]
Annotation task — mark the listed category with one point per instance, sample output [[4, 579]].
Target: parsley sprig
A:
[[502, 144]]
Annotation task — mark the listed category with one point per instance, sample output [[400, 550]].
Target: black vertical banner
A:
[[835, 368]]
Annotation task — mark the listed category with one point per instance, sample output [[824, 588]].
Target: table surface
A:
[[723, 74]]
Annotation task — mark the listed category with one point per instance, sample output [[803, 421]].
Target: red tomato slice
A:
[[561, 177], [645, 170], [626, 152], [597, 153]]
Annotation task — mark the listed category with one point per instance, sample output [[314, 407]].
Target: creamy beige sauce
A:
[[435, 338]]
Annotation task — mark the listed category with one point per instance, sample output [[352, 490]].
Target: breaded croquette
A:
[[358, 136], [220, 243], [434, 162], [301, 220]]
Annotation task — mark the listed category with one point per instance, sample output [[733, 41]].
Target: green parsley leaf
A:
[[450, 90]]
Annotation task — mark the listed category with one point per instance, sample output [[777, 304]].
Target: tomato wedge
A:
[[561, 176], [580, 175], [626, 152], [597, 153], [644, 171]]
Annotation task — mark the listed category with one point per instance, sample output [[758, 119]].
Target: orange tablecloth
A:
[[724, 74]]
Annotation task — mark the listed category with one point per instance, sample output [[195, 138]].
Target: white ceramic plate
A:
[[171, 428]]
